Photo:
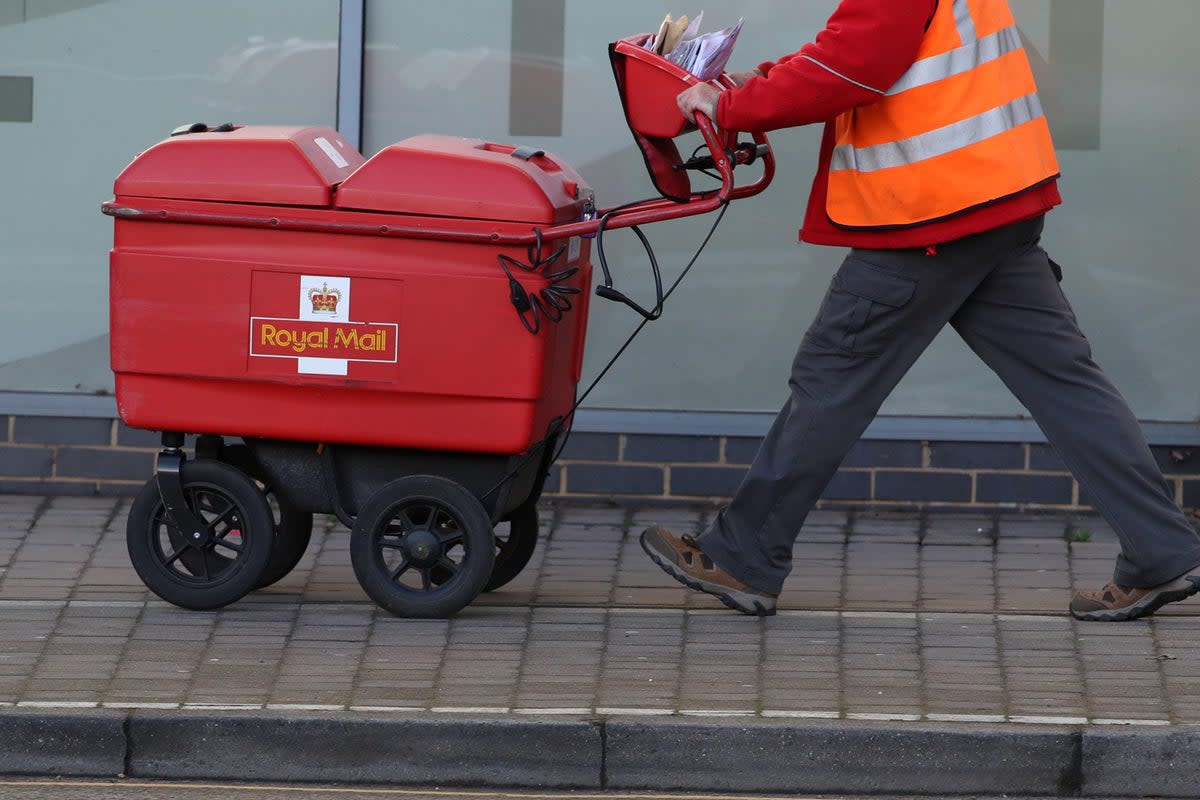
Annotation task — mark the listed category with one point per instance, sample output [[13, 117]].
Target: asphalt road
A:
[[17, 789]]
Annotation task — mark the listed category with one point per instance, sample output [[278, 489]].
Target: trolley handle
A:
[[722, 162], [717, 149], [662, 209], [745, 153]]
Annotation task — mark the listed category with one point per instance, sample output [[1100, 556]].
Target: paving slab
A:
[[899, 637]]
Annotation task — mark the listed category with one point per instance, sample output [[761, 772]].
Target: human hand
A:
[[702, 98], [740, 78]]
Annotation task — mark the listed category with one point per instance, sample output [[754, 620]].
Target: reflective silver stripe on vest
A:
[[964, 21], [939, 142], [960, 60]]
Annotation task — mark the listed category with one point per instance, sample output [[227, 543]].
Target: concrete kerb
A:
[[351, 748], [70, 743], [617, 753], [858, 758], [1121, 763]]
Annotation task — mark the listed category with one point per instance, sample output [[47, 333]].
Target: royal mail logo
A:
[[313, 327], [325, 300], [347, 341]]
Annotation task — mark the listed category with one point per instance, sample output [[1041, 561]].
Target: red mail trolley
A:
[[395, 340]]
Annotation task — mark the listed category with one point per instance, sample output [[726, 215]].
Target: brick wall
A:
[[887, 474], [83, 456], [74, 456]]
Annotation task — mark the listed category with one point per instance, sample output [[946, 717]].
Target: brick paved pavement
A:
[[887, 617]]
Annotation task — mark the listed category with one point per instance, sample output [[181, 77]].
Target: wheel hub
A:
[[206, 539], [424, 548]]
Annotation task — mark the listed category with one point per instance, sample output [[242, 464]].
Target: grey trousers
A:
[[1000, 292]]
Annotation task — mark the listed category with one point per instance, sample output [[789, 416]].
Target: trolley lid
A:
[[273, 165], [448, 176]]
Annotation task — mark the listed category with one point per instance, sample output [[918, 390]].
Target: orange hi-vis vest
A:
[[961, 129]]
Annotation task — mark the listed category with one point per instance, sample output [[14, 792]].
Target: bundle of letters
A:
[[702, 54]]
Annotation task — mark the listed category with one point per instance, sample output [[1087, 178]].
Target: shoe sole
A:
[[750, 607], [1176, 590]]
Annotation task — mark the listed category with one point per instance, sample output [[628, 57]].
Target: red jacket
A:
[[866, 43]]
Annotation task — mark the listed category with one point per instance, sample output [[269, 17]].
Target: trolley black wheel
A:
[[413, 527], [293, 527], [515, 547], [232, 550], [515, 541]]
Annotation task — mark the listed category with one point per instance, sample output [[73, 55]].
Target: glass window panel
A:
[[1116, 84], [110, 78]]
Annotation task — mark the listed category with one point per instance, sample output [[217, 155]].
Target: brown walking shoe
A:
[[682, 559], [1116, 603]]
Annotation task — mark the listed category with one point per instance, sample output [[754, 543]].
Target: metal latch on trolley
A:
[[527, 153]]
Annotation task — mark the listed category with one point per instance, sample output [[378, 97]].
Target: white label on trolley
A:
[[574, 249], [322, 366], [331, 151], [324, 298]]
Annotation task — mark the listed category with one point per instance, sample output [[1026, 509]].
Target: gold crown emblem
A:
[[324, 300]]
